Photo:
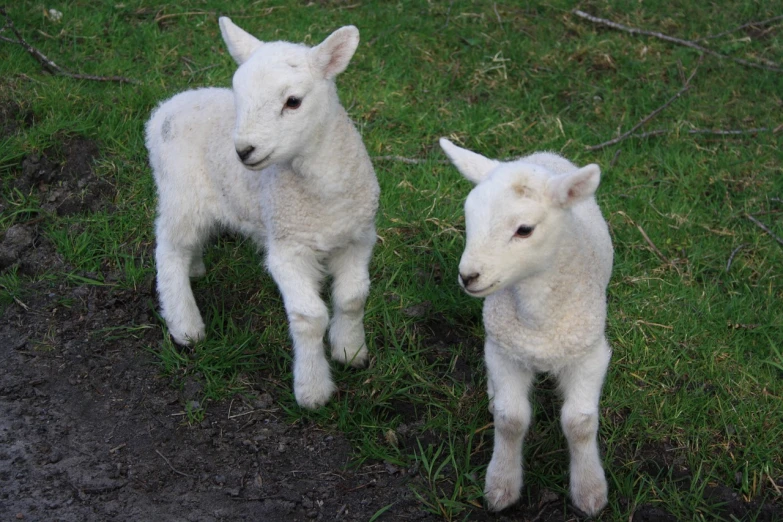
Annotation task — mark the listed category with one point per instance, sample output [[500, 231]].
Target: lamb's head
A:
[[515, 217], [284, 92]]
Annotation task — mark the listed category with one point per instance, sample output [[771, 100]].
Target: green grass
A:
[[697, 365]]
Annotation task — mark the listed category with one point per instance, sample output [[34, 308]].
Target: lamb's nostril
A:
[[245, 153], [468, 279]]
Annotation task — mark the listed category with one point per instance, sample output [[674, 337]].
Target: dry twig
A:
[[650, 116], [175, 470], [650, 243], [734, 253], [410, 161], [741, 27], [678, 41], [714, 132], [47, 63], [764, 227], [644, 120]]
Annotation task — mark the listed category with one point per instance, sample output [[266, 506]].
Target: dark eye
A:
[[293, 102], [524, 231]]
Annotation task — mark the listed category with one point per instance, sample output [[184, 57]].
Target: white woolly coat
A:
[[280, 202], [548, 320]]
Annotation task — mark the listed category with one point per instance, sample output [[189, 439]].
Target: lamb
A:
[[539, 250], [276, 159]]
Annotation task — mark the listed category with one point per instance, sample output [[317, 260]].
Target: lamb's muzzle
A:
[[468, 280], [244, 153]]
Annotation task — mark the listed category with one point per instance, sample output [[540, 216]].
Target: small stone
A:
[[263, 401], [312, 514]]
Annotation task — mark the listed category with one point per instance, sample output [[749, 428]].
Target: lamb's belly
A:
[[239, 198], [327, 235]]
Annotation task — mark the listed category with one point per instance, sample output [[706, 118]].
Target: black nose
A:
[[244, 154], [467, 279]]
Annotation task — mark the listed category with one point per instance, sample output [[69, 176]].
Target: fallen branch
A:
[[741, 27], [678, 41], [47, 63], [647, 118], [650, 116], [763, 227], [715, 132], [652, 246], [410, 161]]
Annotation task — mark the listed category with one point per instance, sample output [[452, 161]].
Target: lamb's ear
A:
[[569, 189], [474, 167], [240, 43], [331, 56]]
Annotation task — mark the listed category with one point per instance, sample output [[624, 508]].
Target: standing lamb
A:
[[277, 159], [539, 250]]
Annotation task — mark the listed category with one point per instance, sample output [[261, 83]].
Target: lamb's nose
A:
[[245, 153], [468, 279]]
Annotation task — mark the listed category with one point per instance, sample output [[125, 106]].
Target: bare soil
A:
[[90, 430]]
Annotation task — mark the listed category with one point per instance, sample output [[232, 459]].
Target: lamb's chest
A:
[[542, 341], [324, 221]]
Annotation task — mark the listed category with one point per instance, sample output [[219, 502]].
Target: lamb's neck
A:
[[538, 299], [336, 156]]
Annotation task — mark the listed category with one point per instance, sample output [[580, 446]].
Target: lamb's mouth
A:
[[257, 164], [484, 291]]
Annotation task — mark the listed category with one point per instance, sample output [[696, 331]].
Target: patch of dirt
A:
[[14, 117], [22, 247], [89, 431], [64, 179]]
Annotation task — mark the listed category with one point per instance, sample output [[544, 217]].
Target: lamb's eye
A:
[[293, 102], [524, 231]]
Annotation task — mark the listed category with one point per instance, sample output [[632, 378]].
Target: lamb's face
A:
[[284, 92], [512, 230], [516, 215], [279, 104]]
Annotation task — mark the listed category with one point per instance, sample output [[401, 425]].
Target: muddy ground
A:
[[90, 430]]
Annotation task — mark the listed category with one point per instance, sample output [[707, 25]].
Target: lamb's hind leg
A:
[[349, 269], [197, 266], [297, 272], [511, 414], [174, 258], [581, 386]]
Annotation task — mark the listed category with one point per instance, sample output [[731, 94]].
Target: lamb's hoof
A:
[[355, 358], [313, 394], [187, 336], [590, 496], [501, 491], [346, 337]]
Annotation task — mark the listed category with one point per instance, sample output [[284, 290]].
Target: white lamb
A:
[[539, 250], [277, 159]]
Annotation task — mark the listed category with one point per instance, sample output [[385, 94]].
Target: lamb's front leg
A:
[[581, 386], [297, 272], [510, 384], [349, 269], [174, 261]]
